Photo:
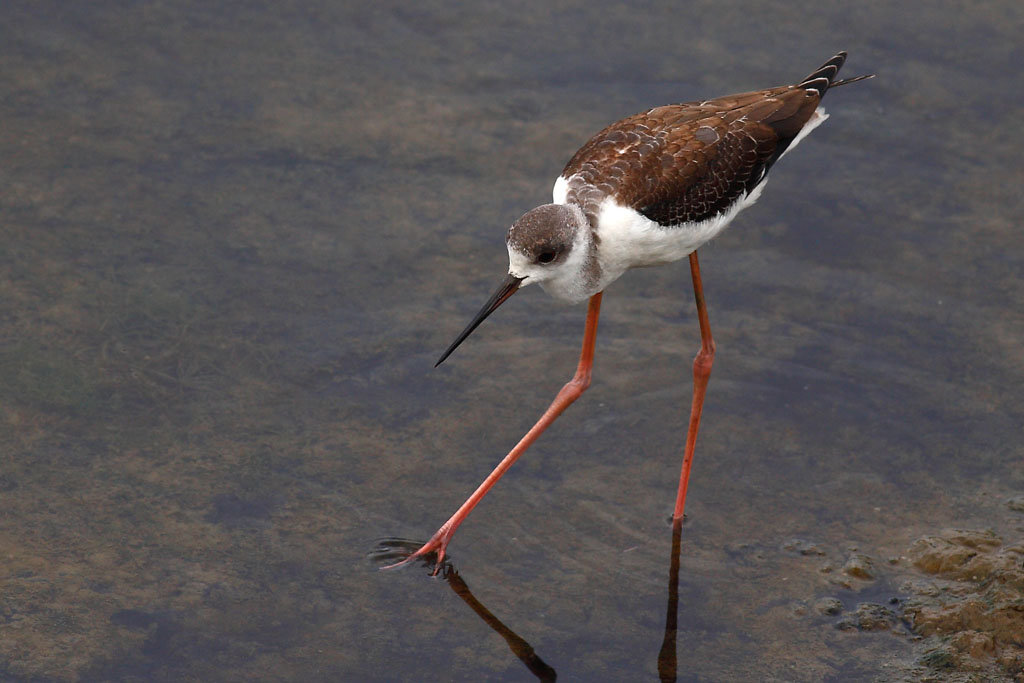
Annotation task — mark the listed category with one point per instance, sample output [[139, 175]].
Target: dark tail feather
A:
[[823, 78], [819, 81]]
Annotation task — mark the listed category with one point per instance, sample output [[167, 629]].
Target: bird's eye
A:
[[546, 257]]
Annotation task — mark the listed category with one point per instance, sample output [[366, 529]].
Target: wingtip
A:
[[847, 81]]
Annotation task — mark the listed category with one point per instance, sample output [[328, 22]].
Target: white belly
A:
[[628, 239]]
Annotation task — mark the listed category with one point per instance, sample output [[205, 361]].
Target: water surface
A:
[[236, 237]]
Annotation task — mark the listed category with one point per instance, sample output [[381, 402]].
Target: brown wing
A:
[[689, 162]]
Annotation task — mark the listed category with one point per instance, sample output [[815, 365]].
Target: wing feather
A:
[[688, 162]]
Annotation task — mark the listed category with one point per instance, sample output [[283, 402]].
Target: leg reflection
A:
[[667, 666], [520, 648], [389, 550]]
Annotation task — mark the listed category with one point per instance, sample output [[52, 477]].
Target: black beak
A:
[[507, 289]]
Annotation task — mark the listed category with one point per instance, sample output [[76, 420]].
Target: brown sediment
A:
[[975, 606], [961, 597]]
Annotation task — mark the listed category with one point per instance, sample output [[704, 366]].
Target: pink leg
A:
[[570, 392], [701, 373]]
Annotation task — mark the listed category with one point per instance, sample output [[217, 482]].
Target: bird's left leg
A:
[[438, 543]]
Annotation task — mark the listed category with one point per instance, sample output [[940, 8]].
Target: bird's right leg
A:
[[438, 543], [701, 374]]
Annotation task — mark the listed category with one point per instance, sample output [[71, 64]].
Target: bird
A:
[[647, 190]]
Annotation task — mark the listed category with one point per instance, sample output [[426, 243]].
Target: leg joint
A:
[[577, 385], [704, 359]]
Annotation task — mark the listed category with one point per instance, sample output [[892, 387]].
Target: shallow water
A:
[[235, 238]]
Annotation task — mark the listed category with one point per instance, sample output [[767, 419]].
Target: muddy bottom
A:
[[956, 597], [973, 603]]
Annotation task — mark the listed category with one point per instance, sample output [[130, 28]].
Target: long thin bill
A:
[[507, 289]]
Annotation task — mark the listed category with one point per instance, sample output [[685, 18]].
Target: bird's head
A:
[[546, 246]]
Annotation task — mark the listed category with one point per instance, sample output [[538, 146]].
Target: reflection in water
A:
[[667, 656], [520, 648], [391, 550]]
